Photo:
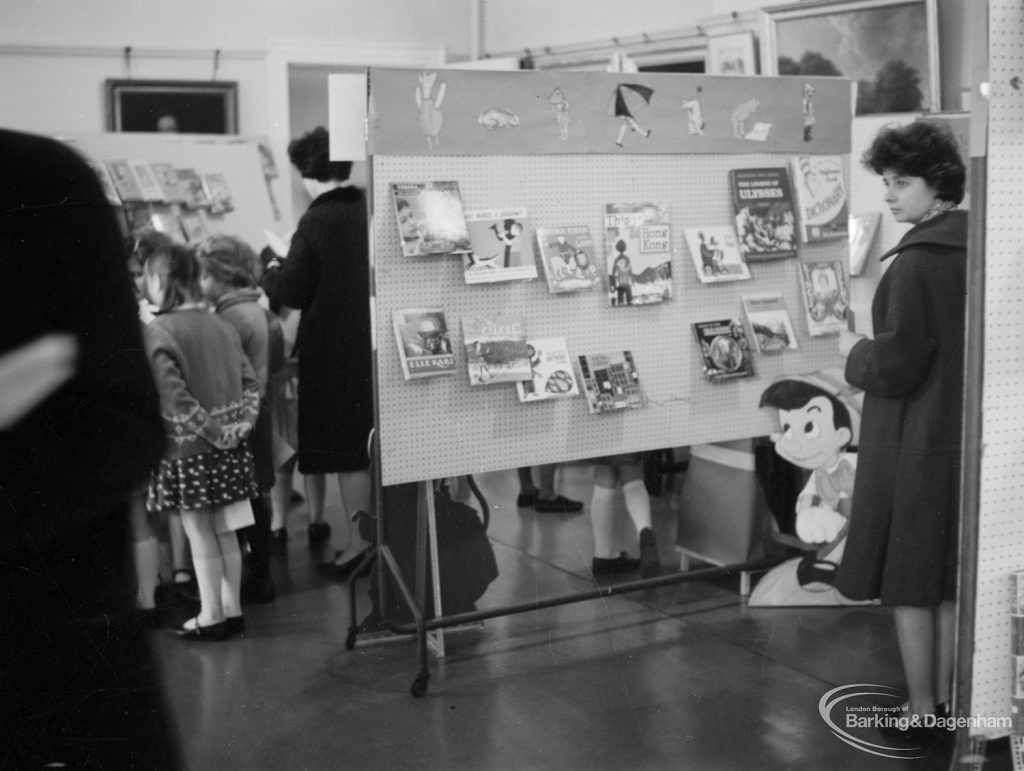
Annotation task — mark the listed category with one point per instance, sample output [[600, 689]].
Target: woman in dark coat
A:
[[902, 546], [326, 276]]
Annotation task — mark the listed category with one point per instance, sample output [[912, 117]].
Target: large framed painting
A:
[[183, 106], [890, 48]]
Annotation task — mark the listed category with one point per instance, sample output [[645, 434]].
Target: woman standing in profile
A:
[[902, 546], [326, 276]]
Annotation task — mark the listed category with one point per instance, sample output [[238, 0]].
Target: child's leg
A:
[[281, 495], [146, 552], [231, 581], [602, 513], [180, 553], [638, 504], [208, 562]]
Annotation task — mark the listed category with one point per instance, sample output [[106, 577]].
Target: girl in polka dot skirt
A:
[[209, 399]]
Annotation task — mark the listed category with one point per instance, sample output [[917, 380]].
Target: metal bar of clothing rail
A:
[[420, 626]]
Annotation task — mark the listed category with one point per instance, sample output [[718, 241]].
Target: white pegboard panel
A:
[[444, 427], [1001, 527]]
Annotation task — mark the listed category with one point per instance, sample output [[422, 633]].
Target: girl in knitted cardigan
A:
[[209, 400]]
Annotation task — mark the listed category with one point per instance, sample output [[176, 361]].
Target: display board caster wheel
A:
[[419, 685]]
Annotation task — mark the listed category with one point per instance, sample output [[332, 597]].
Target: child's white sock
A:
[[231, 582], [602, 520], [638, 503], [209, 575]]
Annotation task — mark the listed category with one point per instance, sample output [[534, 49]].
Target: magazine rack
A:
[[564, 172]]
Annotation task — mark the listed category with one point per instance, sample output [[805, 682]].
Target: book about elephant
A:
[[496, 350]]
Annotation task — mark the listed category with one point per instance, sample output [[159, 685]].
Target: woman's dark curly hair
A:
[[920, 149], [310, 155]]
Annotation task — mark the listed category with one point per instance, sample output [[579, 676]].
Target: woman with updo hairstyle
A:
[[326, 275], [902, 547]]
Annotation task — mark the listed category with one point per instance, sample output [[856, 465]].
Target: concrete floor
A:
[[683, 676]]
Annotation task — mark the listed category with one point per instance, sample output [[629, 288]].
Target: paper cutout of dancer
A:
[[808, 109], [630, 98], [694, 114], [429, 103], [560, 107]]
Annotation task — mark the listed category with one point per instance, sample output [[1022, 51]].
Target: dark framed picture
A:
[[889, 48], [179, 106]]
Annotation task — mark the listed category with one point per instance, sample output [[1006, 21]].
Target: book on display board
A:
[[862, 234], [820, 191], [724, 350], [566, 255], [424, 345], [611, 381], [496, 350], [148, 185], [194, 226], [502, 247], [826, 296], [167, 178], [215, 184], [430, 218], [769, 322], [763, 206], [553, 372], [125, 183], [191, 185], [716, 254], [638, 245]]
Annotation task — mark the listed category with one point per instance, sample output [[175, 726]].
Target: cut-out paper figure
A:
[[694, 114], [628, 99], [498, 117], [815, 419], [740, 114], [429, 103], [560, 107], [808, 109]]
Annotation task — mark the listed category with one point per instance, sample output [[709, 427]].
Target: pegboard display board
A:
[[1001, 527], [442, 426]]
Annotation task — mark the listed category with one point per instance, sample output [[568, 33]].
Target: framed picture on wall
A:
[[178, 106], [890, 48], [731, 54]]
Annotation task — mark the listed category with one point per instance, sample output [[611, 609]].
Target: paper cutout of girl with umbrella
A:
[[629, 98]]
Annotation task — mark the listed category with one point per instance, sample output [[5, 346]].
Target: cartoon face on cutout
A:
[[809, 437]]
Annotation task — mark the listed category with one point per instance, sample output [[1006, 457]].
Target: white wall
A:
[[55, 54]]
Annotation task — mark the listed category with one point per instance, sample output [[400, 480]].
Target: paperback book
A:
[[724, 350], [215, 185], [822, 211], [638, 242], [763, 205], [567, 258], [611, 381], [192, 188], [502, 248], [424, 346], [430, 218], [125, 183], [826, 296], [862, 234], [716, 254], [167, 178], [194, 226], [496, 350], [148, 186], [553, 376], [769, 323]]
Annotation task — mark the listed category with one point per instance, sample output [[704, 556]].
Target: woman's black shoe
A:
[[601, 566], [234, 625], [211, 633]]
